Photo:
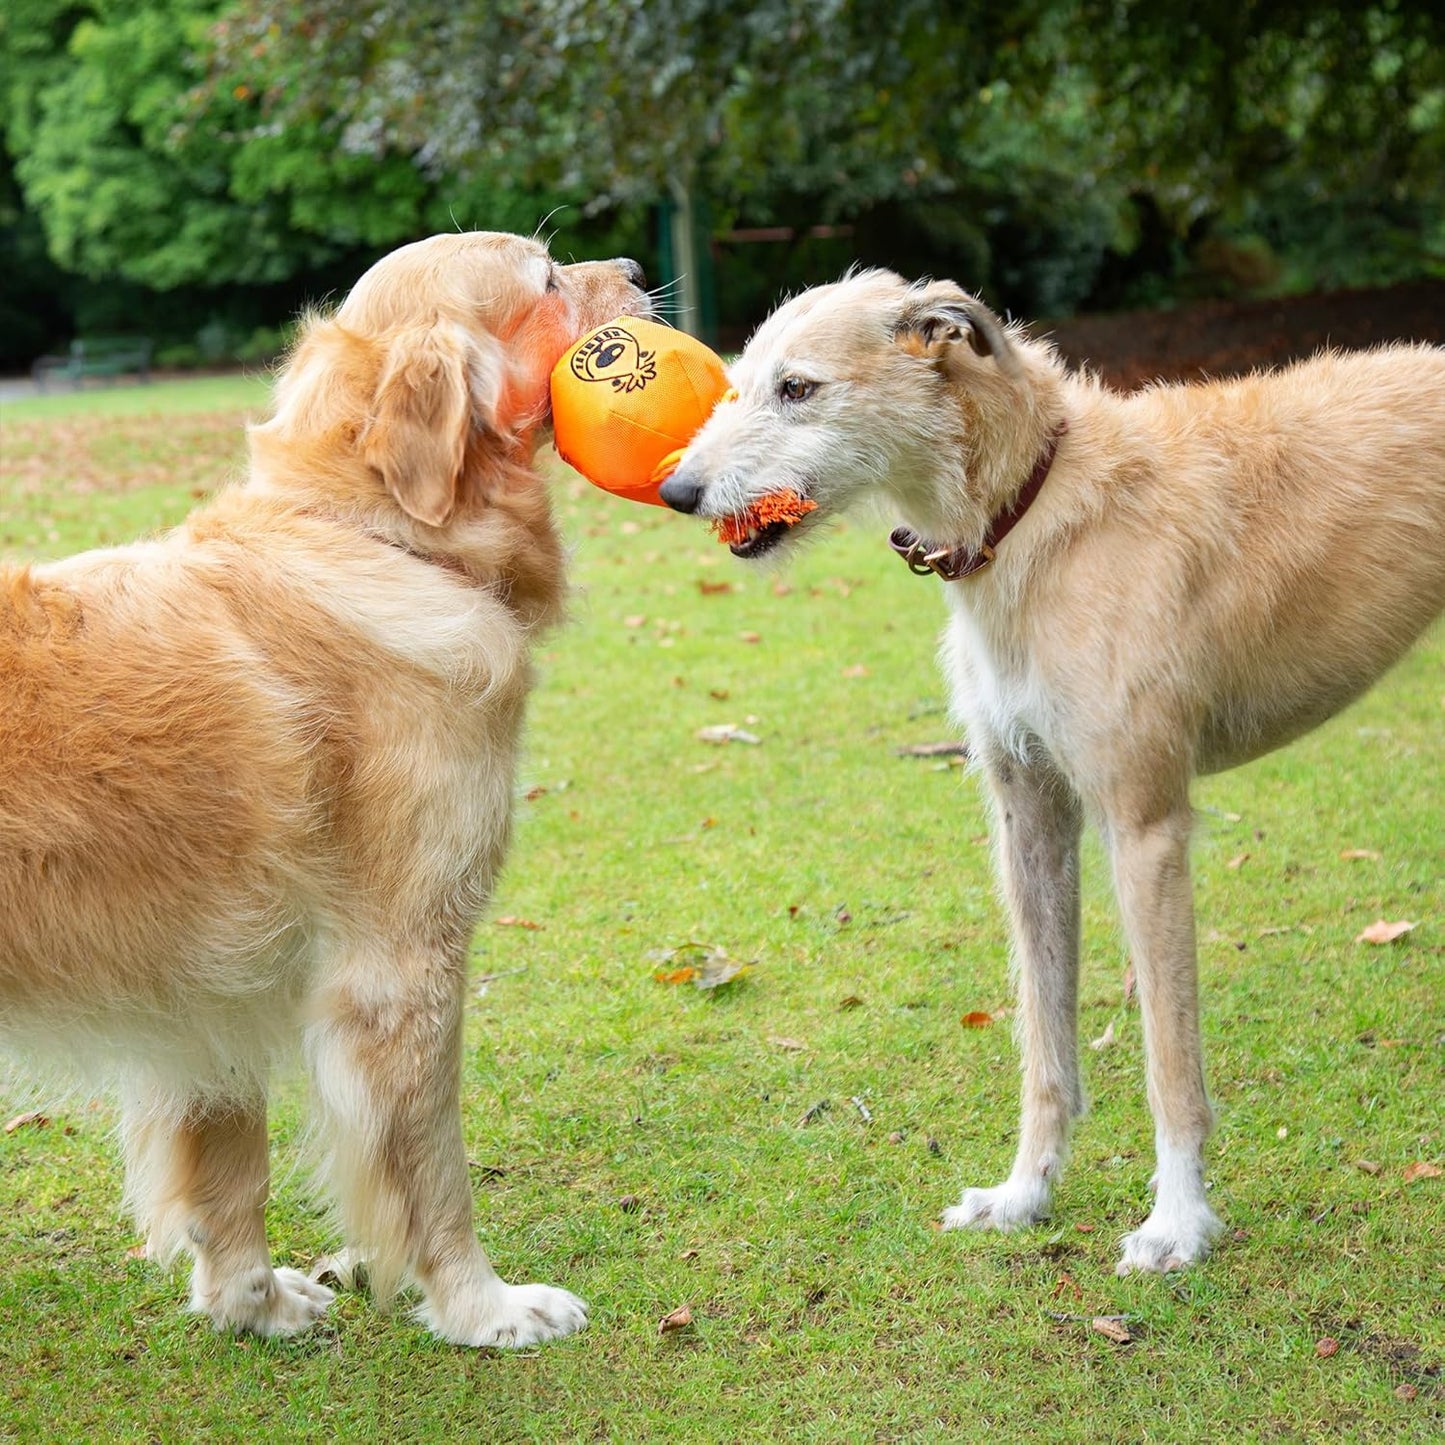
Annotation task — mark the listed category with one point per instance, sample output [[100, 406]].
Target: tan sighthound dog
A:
[[1180, 580], [256, 784]]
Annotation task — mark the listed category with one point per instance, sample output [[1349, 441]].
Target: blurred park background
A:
[[194, 171]]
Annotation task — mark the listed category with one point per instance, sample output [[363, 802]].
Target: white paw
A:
[[507, 1316], [261, 1300], [1170, 1239], [1009, 1206]]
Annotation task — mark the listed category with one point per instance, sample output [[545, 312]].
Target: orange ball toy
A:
[[626, 401]]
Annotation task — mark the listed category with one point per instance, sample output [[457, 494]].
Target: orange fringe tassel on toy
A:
[[786, 507]]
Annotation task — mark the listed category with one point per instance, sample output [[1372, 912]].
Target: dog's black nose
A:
[[681, 493], [633, 273]]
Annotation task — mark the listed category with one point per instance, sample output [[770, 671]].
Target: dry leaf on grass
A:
[[678, 1319], [932, 750], [977, 1019], [34, 1119], [1421, 1170], [786, 1044], [1382, 931], [713, 589], [1326, 1347], [720, 733], [1353, 853], [702, 964], [510, 920], [1238, 861], [1112, 1328], [1105, 1039], [1367, 1166]]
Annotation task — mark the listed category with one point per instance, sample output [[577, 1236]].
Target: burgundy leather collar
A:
[[938, 559]]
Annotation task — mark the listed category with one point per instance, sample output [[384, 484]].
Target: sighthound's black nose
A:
[[681, 493], [632, 272]]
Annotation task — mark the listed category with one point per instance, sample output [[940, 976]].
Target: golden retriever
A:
[[256, 784], [1141, 588]]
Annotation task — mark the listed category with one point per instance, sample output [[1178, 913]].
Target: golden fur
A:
[[1208, 572], [256, 784]]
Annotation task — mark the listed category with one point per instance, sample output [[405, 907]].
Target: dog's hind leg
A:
[[1151, 878], [1037, 825], [385, 1056], [197, 1178]]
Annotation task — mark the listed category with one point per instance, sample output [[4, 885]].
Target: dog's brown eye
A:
[[794, 388]]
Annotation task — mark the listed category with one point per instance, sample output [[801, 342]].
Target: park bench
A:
[[97, 356]]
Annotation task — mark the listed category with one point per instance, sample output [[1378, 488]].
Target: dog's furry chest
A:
[[994, 686]]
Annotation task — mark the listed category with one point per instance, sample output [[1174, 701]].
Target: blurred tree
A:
[[1052, 152], [1039, 142]]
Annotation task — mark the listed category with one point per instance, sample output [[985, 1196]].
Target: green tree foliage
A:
[[1052, 151], [1035, 142]]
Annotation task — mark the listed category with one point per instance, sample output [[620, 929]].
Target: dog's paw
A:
[[508, 1316], [262, 1301], [1008, 1206], [1170, 1239]]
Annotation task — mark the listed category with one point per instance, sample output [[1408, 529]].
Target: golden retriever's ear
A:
[[434, 387], [931, 323]]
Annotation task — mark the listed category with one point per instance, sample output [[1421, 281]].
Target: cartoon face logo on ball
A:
[[614, 355]]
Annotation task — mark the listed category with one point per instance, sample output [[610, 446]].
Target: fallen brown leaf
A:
[[1111, 1329], [1238, 861], [1382, 931], [34, 1119], [787, 1044], [1326, 1347], [858, 669], [1367, 1166], [950, 749], [703, 964], [638, 619], [678, 1319], [720, 733], [851, 1001], [1066, 1281], [977, 1019], [713, 589], [509, 920], [750, 637], [1351, 853], [1421, 1170]]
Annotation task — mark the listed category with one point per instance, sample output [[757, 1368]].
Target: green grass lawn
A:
[[775, 1153]]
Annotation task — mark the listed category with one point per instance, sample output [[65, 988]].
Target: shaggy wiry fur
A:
[[256, 784], [1208, 572]]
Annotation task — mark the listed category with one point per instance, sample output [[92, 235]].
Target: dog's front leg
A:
[[1037, 824], [385, 1055], [1151, 878]]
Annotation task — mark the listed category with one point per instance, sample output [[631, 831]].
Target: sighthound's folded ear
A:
[[932, 322], [434, 387]]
